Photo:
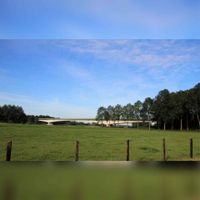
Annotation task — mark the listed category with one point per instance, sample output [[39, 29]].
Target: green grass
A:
[[57, 143], [32, 181]]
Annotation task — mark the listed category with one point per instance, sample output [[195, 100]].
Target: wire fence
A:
[[95, 150]]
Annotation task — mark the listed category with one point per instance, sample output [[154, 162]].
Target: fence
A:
[[126, 156]]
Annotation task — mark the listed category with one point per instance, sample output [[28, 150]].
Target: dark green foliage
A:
[[117, 112], [15, 114], [179, 110], [162, 107], [137, 108], [12, 114], [128, 112], [102, 114], [146, 112]]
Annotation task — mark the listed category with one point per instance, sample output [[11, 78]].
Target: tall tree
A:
[[196, 96], [172, 112], [146, 112], [189, 107], [101, 114], [127, 112], [161, 107], [117, 112], [137, 109], [179, 107], [111, 113]]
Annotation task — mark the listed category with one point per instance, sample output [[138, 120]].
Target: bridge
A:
[[52, 121]]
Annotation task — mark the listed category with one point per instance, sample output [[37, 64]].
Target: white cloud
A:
[[146, 65], [75, 70], [142, 52], [131, 70]]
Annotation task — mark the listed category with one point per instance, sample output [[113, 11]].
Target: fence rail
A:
[[126, 156]]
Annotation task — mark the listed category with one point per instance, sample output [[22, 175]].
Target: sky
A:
[[99, 19], [72, 78], [65, 58]]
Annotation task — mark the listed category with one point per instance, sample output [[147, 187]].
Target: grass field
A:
[[57, 143], [32, 181]]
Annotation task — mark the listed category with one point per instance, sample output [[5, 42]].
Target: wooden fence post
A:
[[191, 148], [8, 190], [8, 150], [164, 150], [127, 150], [77, 151]]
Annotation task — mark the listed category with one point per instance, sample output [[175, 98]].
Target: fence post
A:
[[8, 150], [191, 148], [164, 150], [127, 150], [8, 190], [77, 151]]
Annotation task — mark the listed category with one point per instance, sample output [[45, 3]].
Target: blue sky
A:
[[95, 64], [102, 19], [72, 78]]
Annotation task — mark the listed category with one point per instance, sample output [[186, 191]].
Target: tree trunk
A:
[[149, 125], [198, 119], [164, 126], [172, 126], [187, 123], [181, 124]]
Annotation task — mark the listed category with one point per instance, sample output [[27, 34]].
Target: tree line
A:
[[16, 114], [170, 110]]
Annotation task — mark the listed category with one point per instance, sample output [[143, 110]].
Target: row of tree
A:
[[15, 114], [179, 110]]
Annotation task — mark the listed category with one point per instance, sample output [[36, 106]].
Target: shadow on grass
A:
[[149, 149]]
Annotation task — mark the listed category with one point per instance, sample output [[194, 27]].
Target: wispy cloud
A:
[[144, 63], [75, 70], [71, 78], [153, 57], [149, 52]]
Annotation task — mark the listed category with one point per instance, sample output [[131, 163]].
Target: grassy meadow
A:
[[57, 143], [32, 181]]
